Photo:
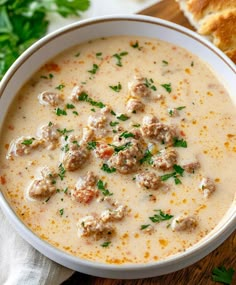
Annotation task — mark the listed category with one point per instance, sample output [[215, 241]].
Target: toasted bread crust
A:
[[215, 19]]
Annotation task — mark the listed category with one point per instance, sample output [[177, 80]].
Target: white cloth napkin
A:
[[20, 263]]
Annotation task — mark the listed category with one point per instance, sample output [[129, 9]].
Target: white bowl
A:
[[83, 31]]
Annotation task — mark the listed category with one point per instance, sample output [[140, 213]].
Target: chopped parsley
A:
[[93, 110], [160, 216], [147, 157], [149, 84], [116, 88], [113, 113], [119, 56], [62, 171], [64, 131], [126, 135], [178, 171], [75, 113], [91, 145], [165, 62], [70, 106], [136, 125], [77, 54], [102, 187], [121, 147], [84, 97], [106, 244], [135, 45], [28, 141], [122, 117], [60, 87], [180, 108], [61, 211], [65, 148], [60, 112], [221, 274], [167, 87], [108, 169], [98, 54], [192, 63], [94, 69], [113, 124], [143, 227], [180, 143]]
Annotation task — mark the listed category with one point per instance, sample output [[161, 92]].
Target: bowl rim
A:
[[193, 253]]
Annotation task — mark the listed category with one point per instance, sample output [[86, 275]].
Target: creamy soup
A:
[[120, 150]]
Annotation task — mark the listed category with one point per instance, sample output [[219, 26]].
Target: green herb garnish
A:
[[62, 171], [84, 97], [60, 87], [28, 141], [60, 112], [70, 106], [122, 117], [180, 108], [108, 169], [147, 157], [106, 244], [119, 56], [167, 86], [102, 187], [149, 84], [221, 274], [165, 62], [121, 147], [179, 143], [94, 69], [126, 135], [61, 211], [160, 216], [75, 113], [136, 125], [64, 131], [113, 124], [143, 227], [116, 88], [91, 145]]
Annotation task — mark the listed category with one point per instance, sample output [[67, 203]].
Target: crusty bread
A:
[[215, 19]]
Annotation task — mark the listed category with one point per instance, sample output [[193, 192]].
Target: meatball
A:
[[165, 159], [116, 214], [152, 129], [23, 146], [75, 159], [49, 133], [148, 180], [93, 226], [207, 187], [139, 88], [76, 91], [184, 223], [85, 191], [126, 157], [49, 98], [43, 187], [134, 105], [191, 167]]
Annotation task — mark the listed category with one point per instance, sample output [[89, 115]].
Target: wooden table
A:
[[200, 272]]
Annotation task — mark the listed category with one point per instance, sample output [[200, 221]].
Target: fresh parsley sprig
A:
[[221, 274]]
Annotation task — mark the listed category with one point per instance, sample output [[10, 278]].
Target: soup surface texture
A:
[[120, 150]]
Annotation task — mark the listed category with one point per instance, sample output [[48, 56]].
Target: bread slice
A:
[[215, 19]]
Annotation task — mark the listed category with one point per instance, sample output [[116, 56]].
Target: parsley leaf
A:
[[143, 227], [119, 56], [84, 97], [160, 216], [126, 135], [101, 186], [28, 141], [22, 24], [121, 147], [167, 86], [60, 112], [113, 124], [108, 169], [64, 131], [94, 69], [149, 84], [92, 145], [116, 88], [221, 274], [180, 143], [62, 171], [122, 117], [147, 157], [61, 211], [60, 87], [70, 106], [106, 244]]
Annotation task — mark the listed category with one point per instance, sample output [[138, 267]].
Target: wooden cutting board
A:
[[200, 272]]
